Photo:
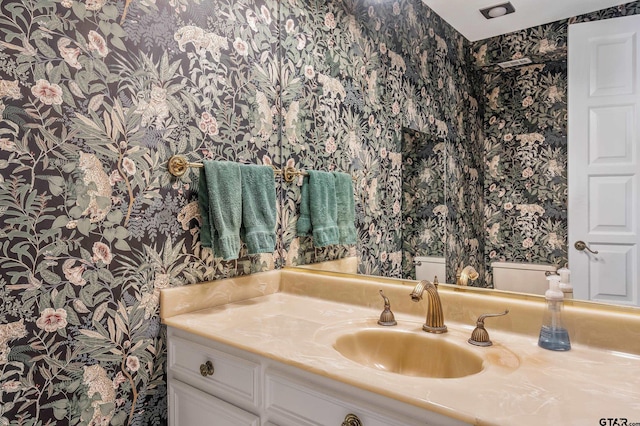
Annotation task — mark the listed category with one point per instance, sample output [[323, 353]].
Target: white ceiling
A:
[[465, 16]]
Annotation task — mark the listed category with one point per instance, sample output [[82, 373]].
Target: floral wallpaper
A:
[[525, 145], [424, 211], [95, 96], [354, 74], [526, 165]]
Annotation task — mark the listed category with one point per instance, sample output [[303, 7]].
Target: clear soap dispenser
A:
[[553, 335]]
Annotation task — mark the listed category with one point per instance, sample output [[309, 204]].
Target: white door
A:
[[604, 162]]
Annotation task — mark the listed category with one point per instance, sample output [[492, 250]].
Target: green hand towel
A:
[[303, 226], [206, 228], [346, 208], [258, 208], [323, 209], [223, 208]]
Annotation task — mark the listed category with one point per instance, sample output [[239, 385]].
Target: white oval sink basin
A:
[[409, 353]]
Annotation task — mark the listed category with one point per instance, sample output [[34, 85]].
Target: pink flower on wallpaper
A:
[[73, 273], [129, 166], [97, 43], [395, 108], [330, 20], [208, 124], [302, 41], [11, 386], [290, 26], [52, 319], [6, 144], [266, 15], [527, 173], [241, 47], [47, 93], [309, 72], [95, 4], [330, 145], [133, 363], [69, 54], [114, 178], [251, 19], [102, 252]]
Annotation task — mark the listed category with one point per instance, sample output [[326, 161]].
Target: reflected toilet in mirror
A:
[[521, 277], [428, 267]]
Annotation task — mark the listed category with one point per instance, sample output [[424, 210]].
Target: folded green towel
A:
[[206, 228], [346, 208], [303, 225], [258, 208], [220, 201], [323, 209]]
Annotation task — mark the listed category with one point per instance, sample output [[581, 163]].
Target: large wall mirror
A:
[[453, 156]]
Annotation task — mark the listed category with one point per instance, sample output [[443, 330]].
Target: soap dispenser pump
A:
[[553, 335]]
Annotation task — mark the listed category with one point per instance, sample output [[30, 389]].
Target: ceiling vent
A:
[[497, 10], [514, 63]]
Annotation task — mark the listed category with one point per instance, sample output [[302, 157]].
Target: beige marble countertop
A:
[[520, 384]]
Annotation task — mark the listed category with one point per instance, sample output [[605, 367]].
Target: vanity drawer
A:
[[234, 379], [289, 401]]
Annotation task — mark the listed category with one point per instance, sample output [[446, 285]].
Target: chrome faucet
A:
[[435, 318]]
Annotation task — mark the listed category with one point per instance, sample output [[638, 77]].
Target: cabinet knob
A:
[[206, 369], [351, 420]]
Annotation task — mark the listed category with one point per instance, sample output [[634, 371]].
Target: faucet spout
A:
[[435, 317]]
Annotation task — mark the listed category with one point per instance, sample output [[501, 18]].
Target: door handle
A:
[[581, 246]]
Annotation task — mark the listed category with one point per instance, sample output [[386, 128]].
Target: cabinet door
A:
[[191, 407]]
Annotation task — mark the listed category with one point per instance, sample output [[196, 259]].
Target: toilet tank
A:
[[428, 267], [521, 277]]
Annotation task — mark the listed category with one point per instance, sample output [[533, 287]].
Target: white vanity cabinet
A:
[[236, 387]]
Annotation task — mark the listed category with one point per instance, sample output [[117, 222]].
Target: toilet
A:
[[428, 267], [521, 277]]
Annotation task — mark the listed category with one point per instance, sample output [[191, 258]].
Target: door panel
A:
[[604, 163], [613, 210], [613, 273], [611, 135], [612, 62]]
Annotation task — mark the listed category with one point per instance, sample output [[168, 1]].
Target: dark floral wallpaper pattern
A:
[[424, 211], [95, 95], [354, 74], [525, 145]]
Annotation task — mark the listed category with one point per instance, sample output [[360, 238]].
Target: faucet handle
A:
[[386, 317], [480, 336]]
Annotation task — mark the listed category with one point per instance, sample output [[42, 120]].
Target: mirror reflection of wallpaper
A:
[[355, 73], [526, 163], [525, 126], [94, 98], [423, 203], [465, 203]]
